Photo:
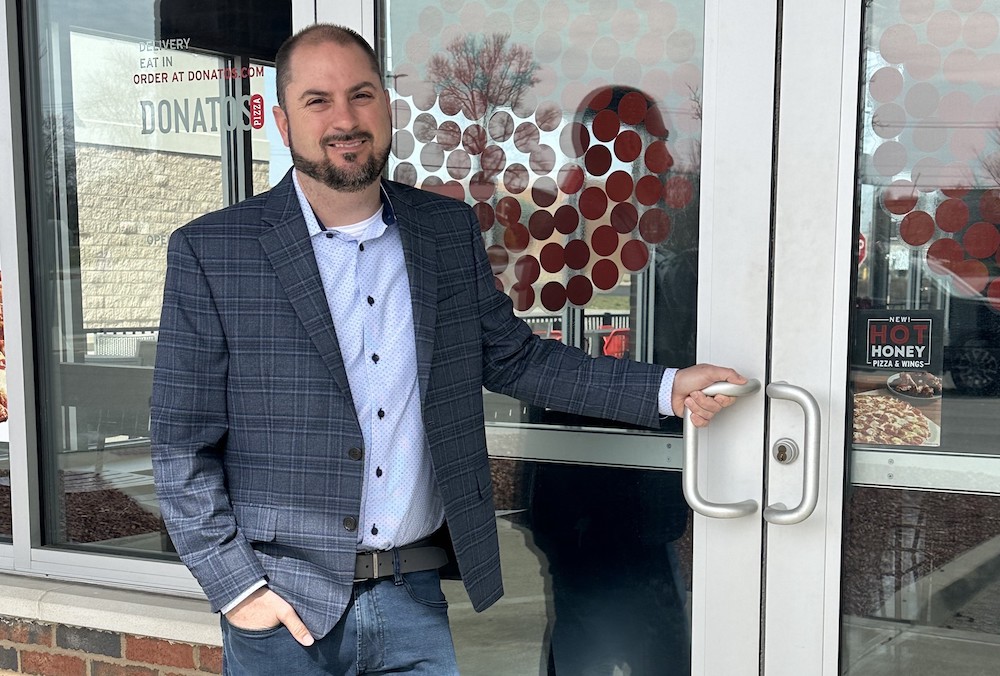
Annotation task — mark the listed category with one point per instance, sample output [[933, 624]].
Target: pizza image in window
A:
[[888, 421]]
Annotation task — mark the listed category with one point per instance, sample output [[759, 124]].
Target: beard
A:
[[354, 178]]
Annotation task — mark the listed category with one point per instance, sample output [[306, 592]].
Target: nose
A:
[[343, 117]]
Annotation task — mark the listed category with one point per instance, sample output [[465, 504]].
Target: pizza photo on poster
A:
[[896, 378]]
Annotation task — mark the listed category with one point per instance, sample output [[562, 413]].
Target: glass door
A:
[[920, 577], [619, 156], [886, 305]]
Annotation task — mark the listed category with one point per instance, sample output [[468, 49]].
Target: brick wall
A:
[[59, 650]]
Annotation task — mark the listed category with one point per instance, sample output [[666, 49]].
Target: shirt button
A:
[[350, 524], [381, 413], [361, 247], [378, 471], [371, 301], [329, 235], [354, 454], [374, 530], [375, 358]]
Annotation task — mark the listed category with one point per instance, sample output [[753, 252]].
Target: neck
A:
[[334, 208]]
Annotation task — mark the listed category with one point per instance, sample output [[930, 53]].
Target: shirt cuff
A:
[[242, 597], [666, 393]]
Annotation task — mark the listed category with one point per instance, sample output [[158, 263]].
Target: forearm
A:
[[189, 428]]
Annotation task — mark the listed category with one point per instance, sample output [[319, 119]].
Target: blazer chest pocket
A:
[[459, 300], [256, 522], [456, 318]]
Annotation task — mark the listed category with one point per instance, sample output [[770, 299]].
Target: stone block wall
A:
[[43, 649], [129, 202]]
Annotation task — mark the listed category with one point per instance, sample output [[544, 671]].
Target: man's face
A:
[[335, 119]]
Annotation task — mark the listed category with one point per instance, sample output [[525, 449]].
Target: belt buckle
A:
[[374, 574]]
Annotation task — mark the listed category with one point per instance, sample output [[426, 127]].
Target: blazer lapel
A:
[[289, 249], [421, 267]]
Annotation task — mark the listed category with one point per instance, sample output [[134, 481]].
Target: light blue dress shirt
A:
[[367, 289]]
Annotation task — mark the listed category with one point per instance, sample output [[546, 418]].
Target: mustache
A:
[[346, 138]]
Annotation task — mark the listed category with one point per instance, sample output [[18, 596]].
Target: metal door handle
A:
[[715, 510], [777, 513]]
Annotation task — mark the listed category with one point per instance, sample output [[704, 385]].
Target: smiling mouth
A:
[[346, 144], [349, 145]]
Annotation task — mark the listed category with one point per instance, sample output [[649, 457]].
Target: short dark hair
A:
[[315, 35]]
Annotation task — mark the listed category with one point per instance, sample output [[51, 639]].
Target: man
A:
[[317, 395]]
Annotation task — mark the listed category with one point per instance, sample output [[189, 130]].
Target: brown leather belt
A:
[[373, 565]]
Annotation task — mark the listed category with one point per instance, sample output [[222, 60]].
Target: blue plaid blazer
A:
[[252, 415]]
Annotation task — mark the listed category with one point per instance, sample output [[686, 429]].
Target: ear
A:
[[281, 120], [388, 104]]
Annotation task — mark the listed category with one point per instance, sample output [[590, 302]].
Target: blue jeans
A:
[[391, 626]]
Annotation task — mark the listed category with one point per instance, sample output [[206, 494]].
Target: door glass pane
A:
[[920, 584], [573, 129], [142, 116], [5, 527]]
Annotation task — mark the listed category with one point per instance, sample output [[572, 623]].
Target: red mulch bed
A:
[[92, 516]]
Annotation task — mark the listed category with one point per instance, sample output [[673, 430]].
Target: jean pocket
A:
[[253, 633], [424, 587]]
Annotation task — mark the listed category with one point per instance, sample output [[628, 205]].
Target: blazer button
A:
[[354, 454], [350, 524]]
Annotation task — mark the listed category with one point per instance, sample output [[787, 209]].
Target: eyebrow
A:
[[356, 88]]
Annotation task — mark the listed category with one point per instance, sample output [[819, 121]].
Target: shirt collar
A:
[[315, 227]]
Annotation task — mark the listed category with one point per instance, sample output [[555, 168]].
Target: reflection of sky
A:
[[281, 159], [135, 18], [655, 46], [931, 109], [930, 130]]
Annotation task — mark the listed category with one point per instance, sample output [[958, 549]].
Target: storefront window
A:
[[144, 116]]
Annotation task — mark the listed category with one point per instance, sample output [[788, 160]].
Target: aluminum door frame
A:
[[814, 244]]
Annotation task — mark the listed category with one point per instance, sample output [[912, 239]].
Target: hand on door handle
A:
[[777, 513], [699, 504]]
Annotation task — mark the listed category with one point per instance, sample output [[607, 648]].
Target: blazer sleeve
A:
[[189, 428], [551, 374]]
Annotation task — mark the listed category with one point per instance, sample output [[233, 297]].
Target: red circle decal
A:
[[916, 228], [541, 225], [579, 290], [604, 274], [552, 257], [635, 255], [981, 239], [654, 226], [624, 217], [527, 269], [577, 254], [604, 240], [567, 219], [952, 215], [593, 203], [553, 296], [523, 296]]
